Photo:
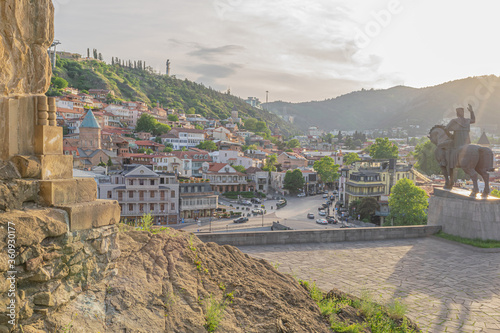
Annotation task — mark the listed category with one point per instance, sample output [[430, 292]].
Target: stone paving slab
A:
[[446, 287]]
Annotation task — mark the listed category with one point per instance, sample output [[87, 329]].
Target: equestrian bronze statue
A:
[[455, 151]]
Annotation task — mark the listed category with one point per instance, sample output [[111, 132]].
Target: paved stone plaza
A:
[[446, 287]]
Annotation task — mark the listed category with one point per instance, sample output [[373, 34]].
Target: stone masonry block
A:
[[28, 166], [48, 140], [67, 191], [94, 214], [56, 166]]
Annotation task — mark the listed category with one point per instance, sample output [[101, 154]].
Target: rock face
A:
[[106, 280], [26, 32]]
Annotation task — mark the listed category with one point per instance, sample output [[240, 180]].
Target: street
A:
[[294, 215]]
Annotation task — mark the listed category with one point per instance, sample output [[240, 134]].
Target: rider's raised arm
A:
[[472, 115]]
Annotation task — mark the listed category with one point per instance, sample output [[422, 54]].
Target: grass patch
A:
[[214, 314], [485, 244], [352, 315]]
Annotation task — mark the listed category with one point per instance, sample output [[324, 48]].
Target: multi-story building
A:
[[375, 179], [224, 178], [139, 190], [232, 157], [193, 160], [290, 161], [197, 199], [258, 179], [183, 137]]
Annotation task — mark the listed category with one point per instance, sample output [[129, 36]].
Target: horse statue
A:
[[473, 159]]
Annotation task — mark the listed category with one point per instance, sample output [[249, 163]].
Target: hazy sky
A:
[[297, 50]]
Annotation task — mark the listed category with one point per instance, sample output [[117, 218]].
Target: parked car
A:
[[325, 195], [331, 220], [322, 213], [321, 221], [241, 220], [301, 195], [255, 200], [310, 216], [257, 211]]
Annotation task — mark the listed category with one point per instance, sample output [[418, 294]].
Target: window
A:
[[130, 207], [172, 206], [151, 182], [131, 182], [110, 194], [130, 194], [151, 207], [120, 195], [162, 207], [152, 194], [141, 208], [162, 180], [172, 194], [141, 181]]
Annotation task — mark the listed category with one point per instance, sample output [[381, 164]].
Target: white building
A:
[[183, 137]]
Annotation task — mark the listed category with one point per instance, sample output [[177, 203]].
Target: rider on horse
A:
[[460, 127]]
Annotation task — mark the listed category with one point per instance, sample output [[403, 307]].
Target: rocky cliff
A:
[[106, 280]]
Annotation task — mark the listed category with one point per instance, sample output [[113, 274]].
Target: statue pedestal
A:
[[461, 215]]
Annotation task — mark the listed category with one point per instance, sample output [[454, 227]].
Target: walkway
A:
[[446, 287]]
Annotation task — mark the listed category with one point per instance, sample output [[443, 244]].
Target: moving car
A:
[[322, 213], [310, 216], [301, 195], [321, 221], [257, 211], [241, 220], [331, 219]]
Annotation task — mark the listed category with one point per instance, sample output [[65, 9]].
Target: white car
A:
[[321, 221], [322, 213], [325, 195], [301, 195]]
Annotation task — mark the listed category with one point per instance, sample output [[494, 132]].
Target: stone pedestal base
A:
[[460, 215], [94, 214], [67, 191]]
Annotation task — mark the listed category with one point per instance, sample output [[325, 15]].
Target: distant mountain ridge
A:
[[131, 83], [399, 106]]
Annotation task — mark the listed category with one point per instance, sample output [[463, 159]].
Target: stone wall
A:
[[53, 266], [318, 236]]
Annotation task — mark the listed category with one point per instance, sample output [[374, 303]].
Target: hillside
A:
[[398, 106], [145, 85]]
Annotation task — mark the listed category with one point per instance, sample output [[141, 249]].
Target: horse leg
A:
[[486, 178], [473, 175]]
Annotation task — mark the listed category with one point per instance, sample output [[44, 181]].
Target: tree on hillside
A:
[[173, 117], [294, 181], [168, 149], [239, 168], [294, 143], [59, 82], [350, 158], [326, 169], [328, 137], [207, 145], [408, 204], [148, 123], [271, 162], [383, 148]]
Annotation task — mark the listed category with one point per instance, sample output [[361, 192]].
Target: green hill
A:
[[144, 85], [400, 106]]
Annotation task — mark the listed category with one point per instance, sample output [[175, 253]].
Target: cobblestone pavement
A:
[[446, 287]]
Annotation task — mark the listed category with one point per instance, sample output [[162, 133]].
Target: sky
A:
[[297, 50]]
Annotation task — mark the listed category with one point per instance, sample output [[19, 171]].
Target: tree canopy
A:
[[147, 123], [350, 158], [172, 117], [271, 162], [239, 168], [408, 204], [326, 169], [207, 145], [293, 143], [367, 207], [294, 181], [426, 162], [383, 148]]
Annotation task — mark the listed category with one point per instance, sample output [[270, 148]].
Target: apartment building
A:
[[139, 190]]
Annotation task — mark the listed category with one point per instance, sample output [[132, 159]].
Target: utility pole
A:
[[53, 51]]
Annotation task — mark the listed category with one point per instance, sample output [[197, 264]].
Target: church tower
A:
[[90, 133]]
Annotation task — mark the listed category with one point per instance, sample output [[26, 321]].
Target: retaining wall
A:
[[318, 236]]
